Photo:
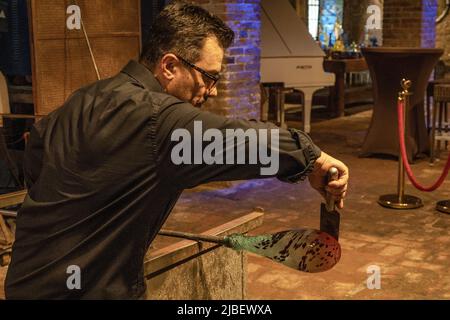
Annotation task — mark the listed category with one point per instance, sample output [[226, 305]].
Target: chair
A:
[[8, 230], [4, 152], [278, 100], [439, 121], [439, 78], [4, 98]]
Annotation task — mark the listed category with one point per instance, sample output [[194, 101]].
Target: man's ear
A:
[[169, 66]]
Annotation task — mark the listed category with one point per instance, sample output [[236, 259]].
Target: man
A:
[[101, 172]]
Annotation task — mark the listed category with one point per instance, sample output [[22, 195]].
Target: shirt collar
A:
[[141, 74]]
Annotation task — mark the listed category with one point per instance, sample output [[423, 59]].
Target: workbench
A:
[[184, 269]]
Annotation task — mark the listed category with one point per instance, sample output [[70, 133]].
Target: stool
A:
[[439, 121], [277, 99], [429, 95], [283, 106]]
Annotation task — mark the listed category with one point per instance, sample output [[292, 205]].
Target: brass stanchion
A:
[[401, 200], [443, 206]]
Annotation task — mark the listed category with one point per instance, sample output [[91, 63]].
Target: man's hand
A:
[[318, 178]]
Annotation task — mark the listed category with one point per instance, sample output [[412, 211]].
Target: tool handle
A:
[[192, 236], [333, 175]]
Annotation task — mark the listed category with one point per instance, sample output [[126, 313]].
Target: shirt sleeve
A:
[[34, 153], [185, 132]]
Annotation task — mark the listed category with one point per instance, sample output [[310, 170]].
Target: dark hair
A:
[[182, 28]]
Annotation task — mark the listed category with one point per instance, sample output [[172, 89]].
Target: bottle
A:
[[330, 41], [366, 37]]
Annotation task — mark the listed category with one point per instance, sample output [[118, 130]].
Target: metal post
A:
[[400, 200], [443, 206], [401, 168], [192, 236]]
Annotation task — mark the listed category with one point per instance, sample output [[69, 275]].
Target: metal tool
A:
[[306, 250], [329, 217]]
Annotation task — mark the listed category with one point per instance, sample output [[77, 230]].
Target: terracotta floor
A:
[[410, 247]]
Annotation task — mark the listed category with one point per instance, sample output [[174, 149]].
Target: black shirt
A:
[[101, 182]]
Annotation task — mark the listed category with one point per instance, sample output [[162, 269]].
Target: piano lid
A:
[[283, 33]]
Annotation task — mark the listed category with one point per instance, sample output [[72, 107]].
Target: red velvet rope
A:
[[401, 134]]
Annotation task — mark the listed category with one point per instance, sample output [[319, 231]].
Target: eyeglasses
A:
[[212, 77]]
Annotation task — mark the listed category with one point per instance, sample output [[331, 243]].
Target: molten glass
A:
[[307, 250]]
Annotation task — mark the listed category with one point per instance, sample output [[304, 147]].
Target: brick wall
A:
[[429, 14], [409, 23], [443, 35], [355, 19], [239, 91]]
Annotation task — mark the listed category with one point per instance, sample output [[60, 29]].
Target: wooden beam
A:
[[13, 198]]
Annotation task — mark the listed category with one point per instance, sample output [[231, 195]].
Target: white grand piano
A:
[[290, 55]]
